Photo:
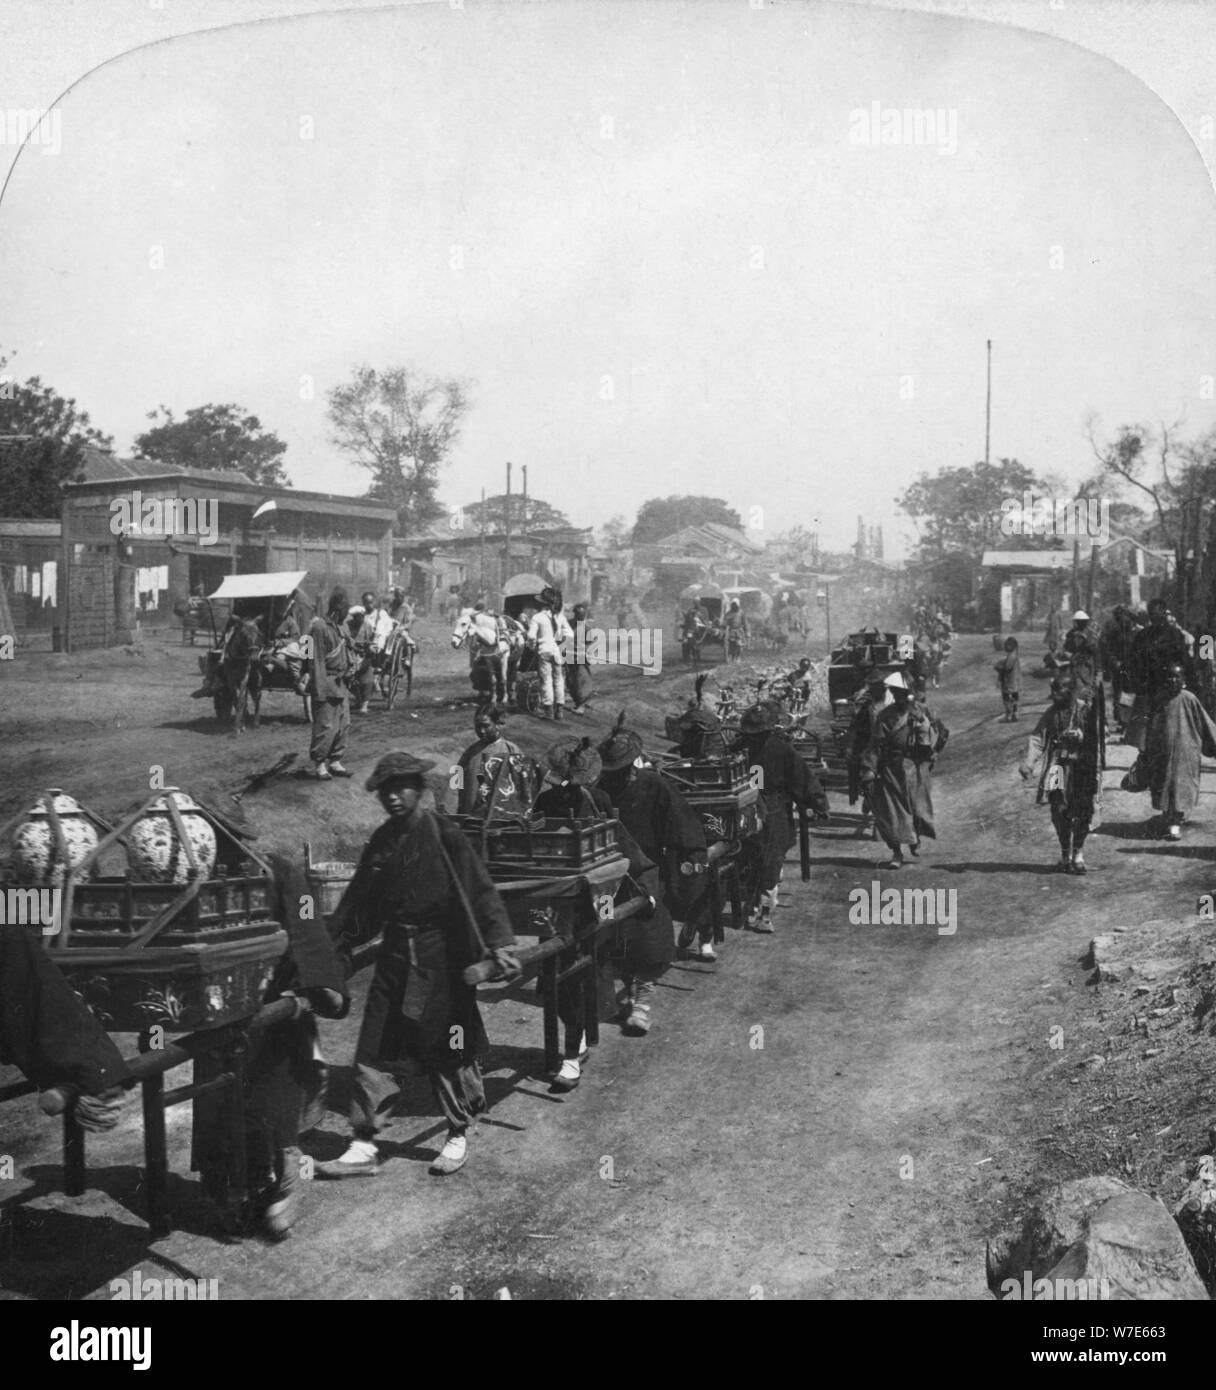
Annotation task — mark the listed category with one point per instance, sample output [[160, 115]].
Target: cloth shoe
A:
[[569, 1074], [705, 951], [452, 1157], [320, 772], [1078, 863], [337, 770], [359, 1161], [637, 1021]]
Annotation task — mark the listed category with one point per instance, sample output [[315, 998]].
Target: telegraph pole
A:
[[988, 405], [506, 571]]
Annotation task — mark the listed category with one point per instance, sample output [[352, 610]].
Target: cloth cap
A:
[[575, 760], [620, 749], [399, 764]]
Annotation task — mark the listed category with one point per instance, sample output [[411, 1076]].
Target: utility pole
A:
[[506, 573], [988, 405], [482, 562]]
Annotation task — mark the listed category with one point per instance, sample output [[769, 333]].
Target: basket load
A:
[[168, 918]]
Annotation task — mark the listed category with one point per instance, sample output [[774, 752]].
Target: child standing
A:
[[1009, 679]]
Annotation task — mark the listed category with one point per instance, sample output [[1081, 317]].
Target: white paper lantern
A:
[[38, 855], [158, 854]]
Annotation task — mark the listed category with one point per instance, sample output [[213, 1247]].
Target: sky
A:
[[647, 234]]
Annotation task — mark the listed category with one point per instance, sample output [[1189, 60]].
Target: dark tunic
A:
[[1084, 655], [1153, 651], [786, 782], [285, 1082], [901, 797], [1071, 776], [668, 832], [642, 943], [45, 1029], [481, 765], [404, 888]]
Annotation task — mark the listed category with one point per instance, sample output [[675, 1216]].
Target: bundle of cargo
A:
[[167, 919]]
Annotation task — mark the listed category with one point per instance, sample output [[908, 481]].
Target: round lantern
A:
[[40, 854], [158, 853]]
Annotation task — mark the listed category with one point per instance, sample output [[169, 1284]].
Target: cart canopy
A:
[[524, 585], [279, 585]]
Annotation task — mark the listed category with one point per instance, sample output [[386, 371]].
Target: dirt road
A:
[[837, 1111]]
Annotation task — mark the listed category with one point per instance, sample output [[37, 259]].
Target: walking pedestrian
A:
[[1068, 743], [669, 833], [896, 770], [579, 679], [786, 781], [330, 665], [1009, 679], [867, 706], [419, 882], [1180, 735]]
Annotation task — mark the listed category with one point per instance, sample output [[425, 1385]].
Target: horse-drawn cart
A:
[[250, 657]]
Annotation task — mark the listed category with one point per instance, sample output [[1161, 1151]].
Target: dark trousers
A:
[[330, 726], [457, 1087]]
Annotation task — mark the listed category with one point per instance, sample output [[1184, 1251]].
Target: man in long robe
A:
[[1180, 734], [669, 833], [1154, 649], [867, 706], [1068, 743], [419, 882], [785, 782], [896, 770]]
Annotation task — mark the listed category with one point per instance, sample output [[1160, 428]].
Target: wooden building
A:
[[139, 536]]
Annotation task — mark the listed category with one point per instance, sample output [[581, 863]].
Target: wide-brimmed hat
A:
[[758, 718], [621, 747], [575, 760], [896, 681], [1080, 616], [399, 764]]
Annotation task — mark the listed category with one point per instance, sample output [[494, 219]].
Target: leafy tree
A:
[[960, 508], [221, 437], [541, 516], [614, 534], [42, 441], [400, 425], [663, 516]]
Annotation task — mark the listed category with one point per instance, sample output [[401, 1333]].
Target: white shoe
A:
[[706, 951], [569, 1074], [1174, 832], [452, 1156]]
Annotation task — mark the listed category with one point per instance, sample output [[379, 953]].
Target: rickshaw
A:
[[695, 632], [519, 592]]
